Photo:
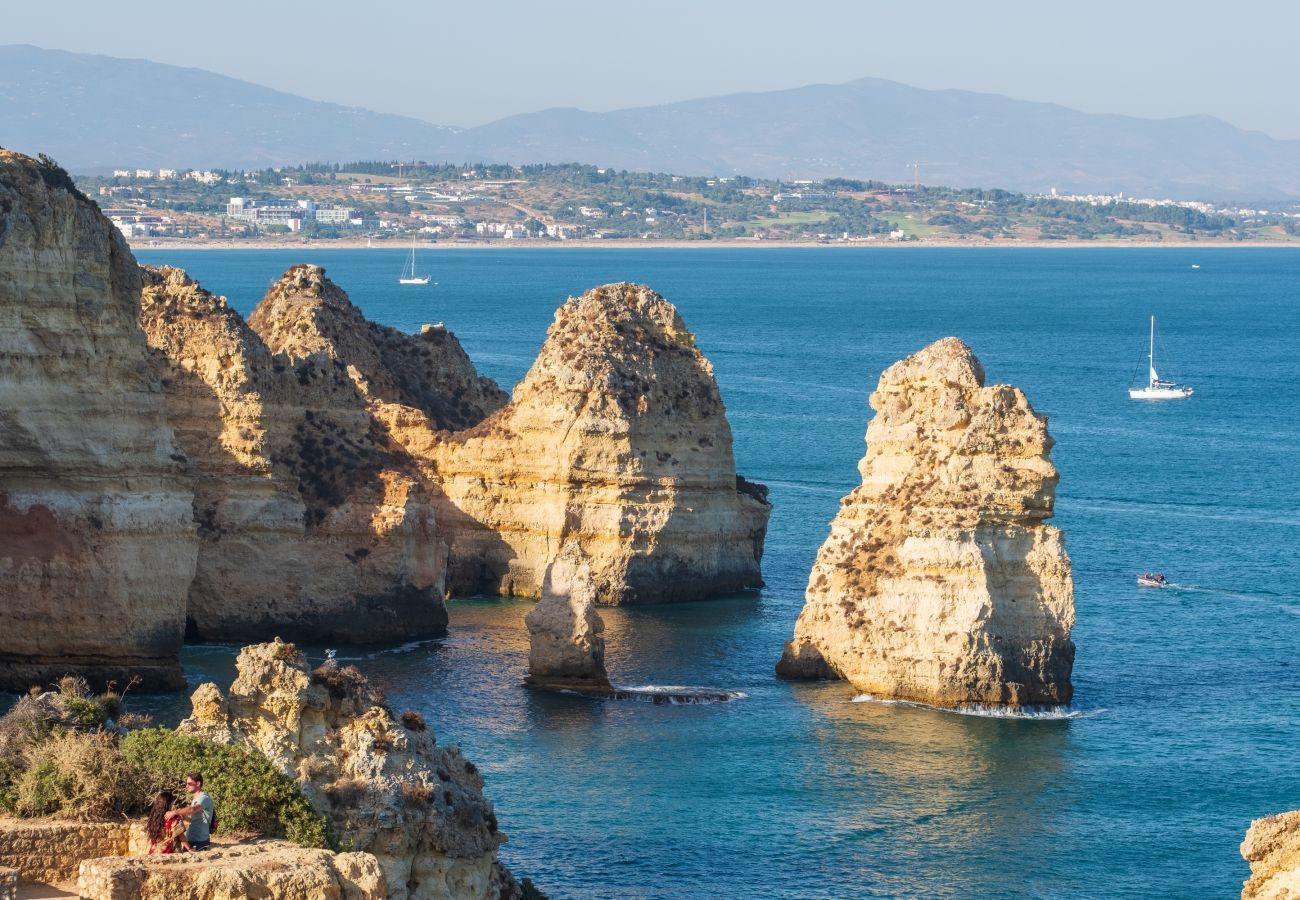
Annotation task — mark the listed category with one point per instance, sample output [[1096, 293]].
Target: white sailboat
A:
[[1156, 389], [408, 271]]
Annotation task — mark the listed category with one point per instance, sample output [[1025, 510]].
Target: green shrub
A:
[[250, 793], [78, 775], [9, 774]]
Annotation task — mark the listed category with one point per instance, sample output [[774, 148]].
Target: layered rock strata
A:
[[615, 447], [309, 525], [939, 581], [97, 542], [566, 637], [385, 784], [1272, 847]]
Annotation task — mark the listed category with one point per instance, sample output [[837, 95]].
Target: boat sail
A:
[[408, 271], [1156, 389]]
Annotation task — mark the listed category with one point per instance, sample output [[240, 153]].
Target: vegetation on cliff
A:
[[69, 754]]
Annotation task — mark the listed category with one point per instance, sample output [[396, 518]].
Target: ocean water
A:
[[1187, 700]]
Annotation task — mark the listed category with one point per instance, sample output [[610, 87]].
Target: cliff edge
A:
[[939, 581], [1272, 847], [308, 524], [97, 542]]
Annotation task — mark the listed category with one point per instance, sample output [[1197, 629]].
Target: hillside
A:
[[873, 128], [93, 113]]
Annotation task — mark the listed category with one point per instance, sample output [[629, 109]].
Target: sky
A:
[[469, 63]]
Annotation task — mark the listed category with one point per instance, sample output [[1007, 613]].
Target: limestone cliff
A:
[[412, 383], [1272, 847], [308, 525], [615, 446], [97, 545], [939, 581], [385, 783]]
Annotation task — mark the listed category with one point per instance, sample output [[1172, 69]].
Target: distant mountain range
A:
[[95, 112]]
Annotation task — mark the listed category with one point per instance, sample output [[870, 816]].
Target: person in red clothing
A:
[[164, 834]]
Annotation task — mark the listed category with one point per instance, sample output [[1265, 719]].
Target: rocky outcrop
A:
[[97, 542], [1272, 847], [615, 444], [309, 525], [267, 869], [566, 637], [939, 581], [616, 447], [385, 784], [414, 384]]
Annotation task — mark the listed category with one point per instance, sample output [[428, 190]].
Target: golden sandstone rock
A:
[[566, 637], [615, 447], [97, 545], [386, 785], [308, 524], [267, 869], [1272, 847], [328, 478], [939, 582]]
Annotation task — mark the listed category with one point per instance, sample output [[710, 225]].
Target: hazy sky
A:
[[468, 63]]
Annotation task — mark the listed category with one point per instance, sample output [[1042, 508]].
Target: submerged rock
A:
[[614, 447], [385, 784], [939, 581], [565, 633], [308, 524], [97, 542]]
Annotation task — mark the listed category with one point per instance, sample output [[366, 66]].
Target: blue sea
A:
[[1186, 720]]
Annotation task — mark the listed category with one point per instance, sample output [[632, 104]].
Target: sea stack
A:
[[939, 582], [566, 637], [309, 526], [97, 541], [615, 447]]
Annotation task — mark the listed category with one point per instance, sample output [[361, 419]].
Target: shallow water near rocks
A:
[[1187, 699]]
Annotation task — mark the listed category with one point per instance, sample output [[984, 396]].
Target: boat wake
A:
[[990, 711]]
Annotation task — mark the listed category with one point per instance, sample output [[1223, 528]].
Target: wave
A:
[[674, 694], [990, 711]]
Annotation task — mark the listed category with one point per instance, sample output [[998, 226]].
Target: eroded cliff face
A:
[[414, 385], [309, 526], [939, 581], [97, 543], [1272, 847], [387, 786], [616, 448]]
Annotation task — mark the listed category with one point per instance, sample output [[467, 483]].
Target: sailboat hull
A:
[[1149, 393], [414, 280]]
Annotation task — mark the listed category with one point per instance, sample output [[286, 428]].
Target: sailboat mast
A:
[[1151, 352]]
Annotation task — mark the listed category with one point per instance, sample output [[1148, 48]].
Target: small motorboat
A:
[[1152, 579]]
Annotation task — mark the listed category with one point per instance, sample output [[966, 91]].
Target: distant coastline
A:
[[156, 245]]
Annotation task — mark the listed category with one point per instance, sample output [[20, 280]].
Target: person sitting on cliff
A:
[[164, 834], [201, 814]]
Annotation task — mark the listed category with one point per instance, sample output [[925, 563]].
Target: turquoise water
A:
[[1187, 700]]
